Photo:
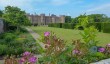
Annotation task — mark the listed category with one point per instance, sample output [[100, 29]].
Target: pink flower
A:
[[33, 59], [46, 33], [26, 53], [48, 42], [101, 49], [108, 45], [21, 61], [76, 52]]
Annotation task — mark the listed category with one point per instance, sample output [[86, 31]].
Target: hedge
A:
[[102, 27], [58, 25], [68, 25], [106, 27], [97, 25]]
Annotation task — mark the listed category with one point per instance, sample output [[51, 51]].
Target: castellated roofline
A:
[[45, 15]]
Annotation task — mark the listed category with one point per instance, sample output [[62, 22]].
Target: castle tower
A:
[[53, 18], [62, 17], [42, 19]]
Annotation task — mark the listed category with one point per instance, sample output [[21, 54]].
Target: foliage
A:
[[14, 42], [92, 18], [54, 47], [3, 49], [27, 58], [89, 36], [57, 52], [98, 17], [68, 19], [1, 13], [15, 16]]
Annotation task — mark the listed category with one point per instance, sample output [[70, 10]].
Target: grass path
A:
[[69, 34], [35, 36]]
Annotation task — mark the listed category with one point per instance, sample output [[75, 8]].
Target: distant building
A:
[[1, 26], [45, 20]]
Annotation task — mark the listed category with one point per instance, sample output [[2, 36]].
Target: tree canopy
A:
[[91, 18], [15, 16], [68, 19], [1, 13]]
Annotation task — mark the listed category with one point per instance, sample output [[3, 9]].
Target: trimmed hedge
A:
[[106, 27], [58, 25], [97, 25], [102, 27], [68, 25]]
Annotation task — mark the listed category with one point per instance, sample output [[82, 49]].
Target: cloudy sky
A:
[[60, 7]]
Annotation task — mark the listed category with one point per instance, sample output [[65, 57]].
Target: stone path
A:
[[106, 61], [1, 61]]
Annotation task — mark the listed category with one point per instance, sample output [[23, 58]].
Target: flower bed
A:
[[77, 53]]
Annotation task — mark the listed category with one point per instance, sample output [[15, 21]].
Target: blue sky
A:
[[61, 7]]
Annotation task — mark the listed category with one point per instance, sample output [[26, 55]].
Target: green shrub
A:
[[9, 37], [3, 49], [16, 42]]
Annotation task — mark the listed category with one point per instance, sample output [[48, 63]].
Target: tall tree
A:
[[14, 16], [98, 17], [1, 13], [68, 19]]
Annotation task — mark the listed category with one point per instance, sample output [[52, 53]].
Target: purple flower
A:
[[101, 49], [76, 52], [26, 53], [33, 59], [108, 45], [46, 33]]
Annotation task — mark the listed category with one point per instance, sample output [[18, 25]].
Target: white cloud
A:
[[104, 7], [19, 3], [23, 4], [59, 2]]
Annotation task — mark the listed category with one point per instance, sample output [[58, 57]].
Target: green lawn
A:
[[69, 34]]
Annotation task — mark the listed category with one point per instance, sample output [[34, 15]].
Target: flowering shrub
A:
[[53, 48], [56, 52], [76, 53], [28, 58]]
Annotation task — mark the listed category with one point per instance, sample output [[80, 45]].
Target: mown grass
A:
[[69, 34]]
